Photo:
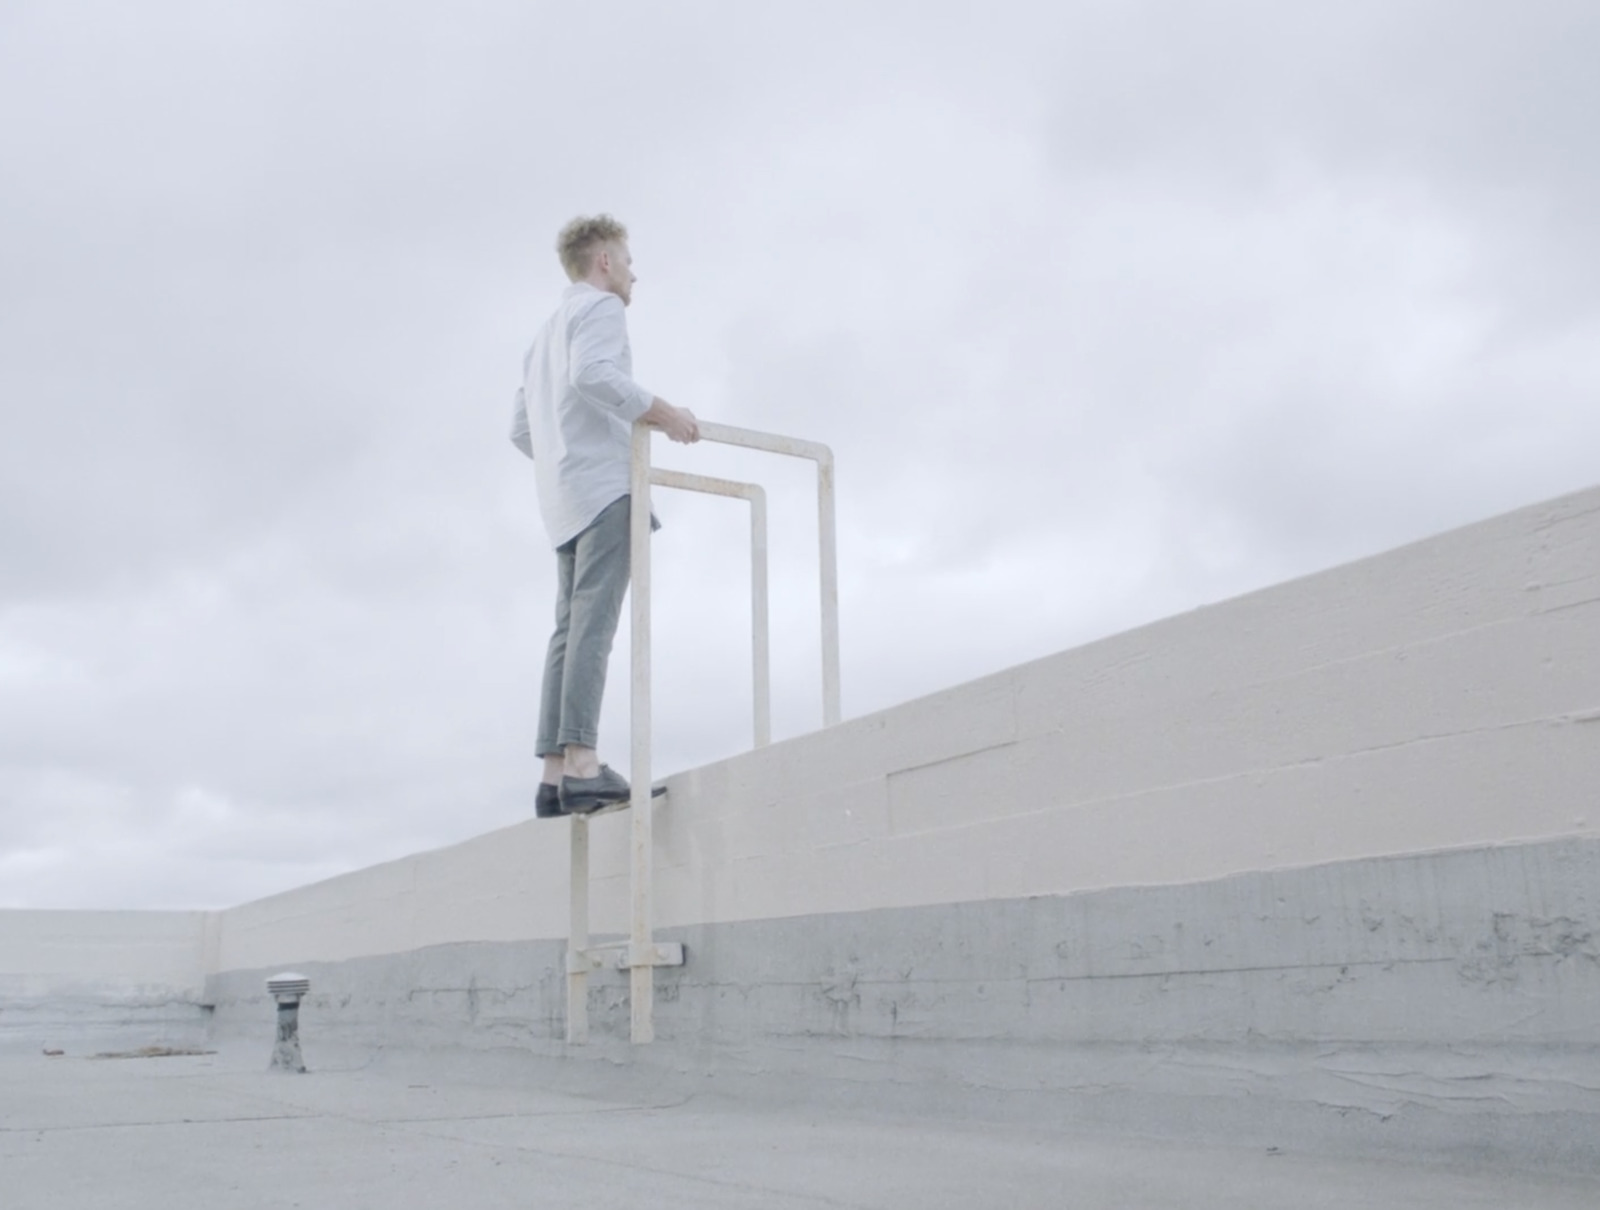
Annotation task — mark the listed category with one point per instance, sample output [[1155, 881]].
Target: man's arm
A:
[[521, 435], [596, 373], [599, 337]]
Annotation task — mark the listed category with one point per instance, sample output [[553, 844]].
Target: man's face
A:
[[618, 267]]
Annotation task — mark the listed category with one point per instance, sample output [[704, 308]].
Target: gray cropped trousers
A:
[[592, 571]]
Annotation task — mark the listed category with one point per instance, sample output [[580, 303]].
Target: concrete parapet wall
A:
[[1440, 1001], [1441, 696], [1319, 859], [1496, 946], [68, 978]]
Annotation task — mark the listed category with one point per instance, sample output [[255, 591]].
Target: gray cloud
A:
[[1108, 310]]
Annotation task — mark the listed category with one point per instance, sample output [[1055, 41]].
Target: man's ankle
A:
[[581, 762]]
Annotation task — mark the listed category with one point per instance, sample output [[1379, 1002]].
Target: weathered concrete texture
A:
[[98, 1021], [423, 1134], [103, 979], [1443, 1001]]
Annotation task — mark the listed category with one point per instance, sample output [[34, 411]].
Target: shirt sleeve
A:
[[521, 435], [599, 342]]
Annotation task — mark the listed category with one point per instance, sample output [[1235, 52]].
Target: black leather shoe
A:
[[548, 803], [572, 801], [581, 795]]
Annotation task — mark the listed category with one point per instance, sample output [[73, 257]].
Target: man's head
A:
[[595, 250]]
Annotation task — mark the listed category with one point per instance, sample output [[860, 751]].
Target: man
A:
[[574, 417]]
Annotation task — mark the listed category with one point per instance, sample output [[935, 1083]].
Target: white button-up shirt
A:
[[575, 410]]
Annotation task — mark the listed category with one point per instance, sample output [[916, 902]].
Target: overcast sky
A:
[[1108, 309]]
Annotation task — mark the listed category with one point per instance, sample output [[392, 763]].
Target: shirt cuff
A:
[[637, 406]]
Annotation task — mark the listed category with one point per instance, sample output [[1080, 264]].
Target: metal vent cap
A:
[[288, 984]]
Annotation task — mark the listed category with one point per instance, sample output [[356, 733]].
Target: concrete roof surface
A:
[[220, 1131]]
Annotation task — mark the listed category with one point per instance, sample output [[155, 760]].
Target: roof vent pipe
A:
[[287, 989]]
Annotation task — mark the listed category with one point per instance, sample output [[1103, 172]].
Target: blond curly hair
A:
[[581, 238]]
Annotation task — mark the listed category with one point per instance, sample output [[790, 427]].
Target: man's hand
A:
[[678, 424]]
